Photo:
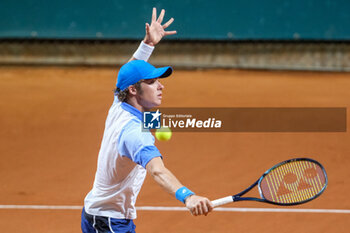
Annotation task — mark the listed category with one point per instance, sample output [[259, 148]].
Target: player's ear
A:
[[132, 90]]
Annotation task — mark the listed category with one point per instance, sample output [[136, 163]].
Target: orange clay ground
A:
[[52, 121]]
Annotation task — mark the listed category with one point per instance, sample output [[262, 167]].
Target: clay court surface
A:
[[52, 121]]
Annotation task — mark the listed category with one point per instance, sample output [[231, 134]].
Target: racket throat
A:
[[236, 198]]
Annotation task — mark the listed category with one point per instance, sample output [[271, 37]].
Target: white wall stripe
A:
[[170, 208]]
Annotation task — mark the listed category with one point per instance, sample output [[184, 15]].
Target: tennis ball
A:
[[163, 134]]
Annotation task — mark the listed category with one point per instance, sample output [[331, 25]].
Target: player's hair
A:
[[123, 95]]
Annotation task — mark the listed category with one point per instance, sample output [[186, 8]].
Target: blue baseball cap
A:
[[136, 70]]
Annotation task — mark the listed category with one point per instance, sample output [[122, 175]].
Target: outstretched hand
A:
[[156, 31], [198, 205]]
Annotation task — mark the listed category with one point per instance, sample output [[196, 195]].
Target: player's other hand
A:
[[156, 31], [198, 205]]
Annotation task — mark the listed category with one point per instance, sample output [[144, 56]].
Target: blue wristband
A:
[[182, 193]]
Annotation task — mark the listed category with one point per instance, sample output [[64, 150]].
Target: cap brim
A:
[[161, 72]]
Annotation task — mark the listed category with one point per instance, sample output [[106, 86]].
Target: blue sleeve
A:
[[136, 144]]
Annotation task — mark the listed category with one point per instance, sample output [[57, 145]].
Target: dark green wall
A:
[[215, 19]]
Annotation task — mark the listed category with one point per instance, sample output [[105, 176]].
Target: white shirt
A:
[[124, 153]]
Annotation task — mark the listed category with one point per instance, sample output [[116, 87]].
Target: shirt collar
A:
[[132, 110]]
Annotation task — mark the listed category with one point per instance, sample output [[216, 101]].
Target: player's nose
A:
[[160, 86]]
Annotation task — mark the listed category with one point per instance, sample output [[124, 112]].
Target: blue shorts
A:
[[99, 224]]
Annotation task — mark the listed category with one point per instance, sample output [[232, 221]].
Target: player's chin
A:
[[155, 104], [158, 102]]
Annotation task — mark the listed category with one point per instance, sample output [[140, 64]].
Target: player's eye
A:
[[150, 81]]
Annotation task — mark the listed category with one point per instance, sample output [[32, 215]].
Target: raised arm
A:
[[154, 33], [197, 205]]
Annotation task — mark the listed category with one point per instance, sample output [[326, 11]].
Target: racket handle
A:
[[222, 201]]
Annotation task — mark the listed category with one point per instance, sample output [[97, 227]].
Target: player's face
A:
[[151, 93]]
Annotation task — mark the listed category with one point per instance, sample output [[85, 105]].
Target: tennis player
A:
[[126, 153]]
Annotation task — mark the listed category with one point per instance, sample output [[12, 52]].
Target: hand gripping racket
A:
[[290, 182]]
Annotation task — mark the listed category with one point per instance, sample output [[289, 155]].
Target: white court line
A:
[[169, 208], [42, 207]]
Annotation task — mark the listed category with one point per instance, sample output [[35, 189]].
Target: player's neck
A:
[[133, 102]]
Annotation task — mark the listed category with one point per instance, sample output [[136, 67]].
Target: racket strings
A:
[[293, 182]]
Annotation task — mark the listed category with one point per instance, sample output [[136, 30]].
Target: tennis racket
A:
[[291, 182]]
